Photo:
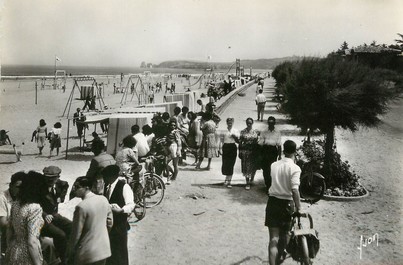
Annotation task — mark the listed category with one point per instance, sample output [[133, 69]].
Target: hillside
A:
[[255, 64]]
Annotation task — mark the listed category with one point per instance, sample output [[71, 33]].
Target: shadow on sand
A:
[[256, 195]]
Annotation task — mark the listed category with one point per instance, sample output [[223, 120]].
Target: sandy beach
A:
[[202, 222]]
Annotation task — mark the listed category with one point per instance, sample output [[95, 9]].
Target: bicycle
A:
[[312, 184], [137, 183], [304, 243], [154, 187]]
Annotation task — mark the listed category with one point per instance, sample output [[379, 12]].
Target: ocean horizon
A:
[[48, 70]]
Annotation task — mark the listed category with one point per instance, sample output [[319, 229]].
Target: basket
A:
[[294, 247]]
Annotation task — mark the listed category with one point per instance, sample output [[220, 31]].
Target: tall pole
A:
[[54, 83], [36, 92]]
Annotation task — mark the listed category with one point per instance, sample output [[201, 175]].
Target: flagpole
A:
[[54, 82]]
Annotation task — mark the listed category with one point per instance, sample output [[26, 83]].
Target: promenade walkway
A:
[[202, 222]]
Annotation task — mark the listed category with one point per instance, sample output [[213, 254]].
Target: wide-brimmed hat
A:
[[52, 171]]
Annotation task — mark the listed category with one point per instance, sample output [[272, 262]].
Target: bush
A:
[[343, 182]]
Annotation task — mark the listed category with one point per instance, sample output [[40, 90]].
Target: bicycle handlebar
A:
[[144, 158], [306, 215]]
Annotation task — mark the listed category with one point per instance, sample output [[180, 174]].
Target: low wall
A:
[[225, 101]]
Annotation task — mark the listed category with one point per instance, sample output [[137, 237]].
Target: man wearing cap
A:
[[56, 226], [120, 197], [270, 142]]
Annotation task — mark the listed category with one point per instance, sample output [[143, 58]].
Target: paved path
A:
[[202, 222]]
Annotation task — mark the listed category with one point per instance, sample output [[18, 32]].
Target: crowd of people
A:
[[97, 234]]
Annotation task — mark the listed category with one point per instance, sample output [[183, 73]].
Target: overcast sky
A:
[[127, 32]]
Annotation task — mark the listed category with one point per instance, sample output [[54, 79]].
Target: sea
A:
[[49, 70]]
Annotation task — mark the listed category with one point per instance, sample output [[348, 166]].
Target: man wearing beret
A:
[[56, 226]]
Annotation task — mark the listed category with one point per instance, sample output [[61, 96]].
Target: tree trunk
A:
[[329, 153]]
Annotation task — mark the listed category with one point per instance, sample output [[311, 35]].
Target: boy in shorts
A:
[[283, 200]]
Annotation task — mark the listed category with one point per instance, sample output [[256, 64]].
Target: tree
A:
[[399, 41], [328, 93], [343, 47]]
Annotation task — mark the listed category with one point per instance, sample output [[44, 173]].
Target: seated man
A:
[[56, 226], [88, 144]]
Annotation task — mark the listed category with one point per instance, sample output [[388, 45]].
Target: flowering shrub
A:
[[343, 181]]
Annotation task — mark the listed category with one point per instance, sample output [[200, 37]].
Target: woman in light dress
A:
[[24, 247], [127, 155], [42, 132], [209, 146], [248, 151]]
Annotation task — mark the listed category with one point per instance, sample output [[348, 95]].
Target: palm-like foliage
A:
[[328, 93]]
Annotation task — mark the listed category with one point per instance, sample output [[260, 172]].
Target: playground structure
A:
[[140, 91], [57, 82], [239, 70], [63, 78], [97, 91], [210, 76]]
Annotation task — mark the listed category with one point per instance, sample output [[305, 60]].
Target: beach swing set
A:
[[139, 91], [85, 91]]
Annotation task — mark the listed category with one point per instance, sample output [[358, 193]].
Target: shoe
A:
[[225, 183], [168, 182], [247, 187], [229, 186]]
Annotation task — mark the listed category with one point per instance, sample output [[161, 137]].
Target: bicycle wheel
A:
[[139, 199], [305, 260], [312, 186], [154, 189]]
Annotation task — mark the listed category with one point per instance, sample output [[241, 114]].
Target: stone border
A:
[[224, 102], [346, 199]]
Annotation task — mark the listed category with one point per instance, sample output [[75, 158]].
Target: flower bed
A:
[[344, 182]]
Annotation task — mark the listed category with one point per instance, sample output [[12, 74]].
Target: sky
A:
[[127, 32]]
